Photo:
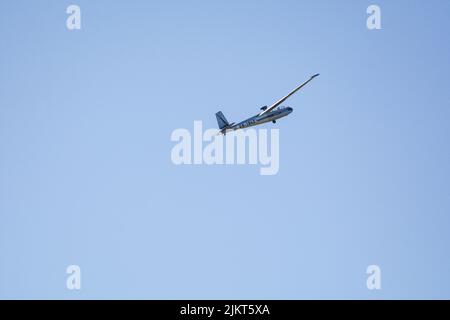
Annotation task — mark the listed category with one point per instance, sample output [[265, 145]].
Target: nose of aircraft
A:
[[289, 109]]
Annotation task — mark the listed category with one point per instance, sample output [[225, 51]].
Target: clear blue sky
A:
[[86, 176]]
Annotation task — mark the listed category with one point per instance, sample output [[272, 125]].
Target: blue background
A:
[[86, 176]]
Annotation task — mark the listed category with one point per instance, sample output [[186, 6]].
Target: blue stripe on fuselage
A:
[[267, 117]]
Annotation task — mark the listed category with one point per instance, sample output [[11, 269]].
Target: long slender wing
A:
[[276, 104]]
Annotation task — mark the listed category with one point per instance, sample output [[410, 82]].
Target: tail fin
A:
[[221, 120]]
